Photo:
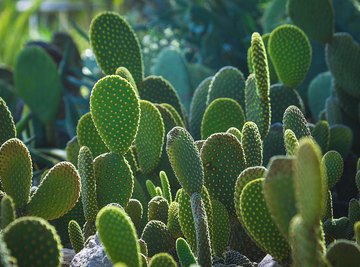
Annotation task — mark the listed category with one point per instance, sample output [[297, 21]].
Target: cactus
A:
[[7, 211], [173, 220], [179, 121], [343, 253], [114, 102], [184, 253], [252, 144], [341, 139], [163, 260], [123, 49], [273, 143], [291, 142], [72, 150], [290, 52], [220, 227], [220, 115], [165, 186], [33, 242], [76, 236], [236, 132], [321, 134], [114, 179], [151, 188], [334, 165], [228, 82], [135, 211], [295, 121], [123, 72], [158, 209], [118, 235], [8, 129], [6, 260]]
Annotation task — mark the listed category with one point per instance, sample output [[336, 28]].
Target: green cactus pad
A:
[[252, 144], [260, 65], [281, 98], [135, 211], [158, 209], [33, 242], [220, 115], [173, 220], [57, 194], [220, 228], [279, 192], [343, 253], [294, 120], [88, 184], [343, 60], [346, 104], [151, 188], [184, 253], [7, 211], [273, 143], [321, 134], [114, 179], [76, 236], [316, 18], [88, 136], [115, 110], [165, 185], [198, 107], [290, 52], [223, 160], [291, 142], [125, 73], [6, 260], [236, 132], [16, 171], [72, 150], [310, 182], [179, 121], [228, 82], [334, 166], [258, 109], [258, 222], [163, 260], [341, 139], [150, 137], [8, 129], [157, 237], [185, 160], [118, 235], [115, 45]]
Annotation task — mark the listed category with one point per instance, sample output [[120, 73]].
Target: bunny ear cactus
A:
[[72, 150], [115, 44], [135, 211], [163, 260], [220, 227], [294, 120], [7, 211], [291, 53], [291, 142], [321, 134], [343, 253], [273, 143], [334, 165], [184, 253], [118, 235], [8, 129], [158, 209], [175, 114], [33, 242], [252, 144], [76, 236], [173, 220], [115, 110], [125, 73], [341, 139]]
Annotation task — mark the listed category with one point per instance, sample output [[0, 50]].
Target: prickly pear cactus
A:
[[8, 129], [162, 259]]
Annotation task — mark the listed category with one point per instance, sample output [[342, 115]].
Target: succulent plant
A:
[[7, 123], [76, 236], [184, 253]]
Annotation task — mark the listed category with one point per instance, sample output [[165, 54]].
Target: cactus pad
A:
[[294, 120], [163, 260], [252, 144], [7, 123]]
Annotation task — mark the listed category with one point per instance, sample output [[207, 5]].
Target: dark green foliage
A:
[[273, 143], [6, 260], [72, 151], [220, 228], [7, 123], [173, 220], [343, 253], [135, 211], [321, 134], [7, 211], [341, 139], [158, 209], [76, 236]]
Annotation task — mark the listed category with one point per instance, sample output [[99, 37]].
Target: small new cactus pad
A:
[[291, 142], [252, 144], [158, 209], [343, 60], [6, 260], [184, 253], [258, 109], [220, 228], [115, 110], [57, 194], [76, 236], [7, 211], [151, 188], [281, 97], [8, 129], [316, 18], [341, 139], [290, 52], [260, 65], [135, 211], [198, 107], [88, 136], [173, 220], [38, 82], [246, 176], [115, 44], [165, 186], [220, 115], [118, 235], [343, 253], [223, 160], [334, 166], [157, 237], [258, 222], [294, 120], [310, 182], [158, 90], [179, 121], [279, 192], [16, 171], [72, 150], [114, 179], [236, 132], [185, 160], [162, 260], [321, 134], [150, 137], [33, 242], [125, 73], [228, 82], [88, 184]]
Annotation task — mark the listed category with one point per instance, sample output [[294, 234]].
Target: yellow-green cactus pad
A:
[[258, 222], [290, 52], [334, 166], [76, 236], [223, 160], [33, 242], [173, 220], [7, 211], [150, 137], [57, 194], [252, 144], [236, 132], [16, 171], [8, 129], [88, 136], [118, 235], [316, 18], [114, 179], [291, 142], [115, 45], [294, 120], [135, 211], [158, 208], [125, 73], [186, 257], [220, 115], [220, 228], [115, 110], [162, 260]]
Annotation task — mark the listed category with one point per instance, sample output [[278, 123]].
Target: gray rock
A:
[[92, 255], [268, 261]]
